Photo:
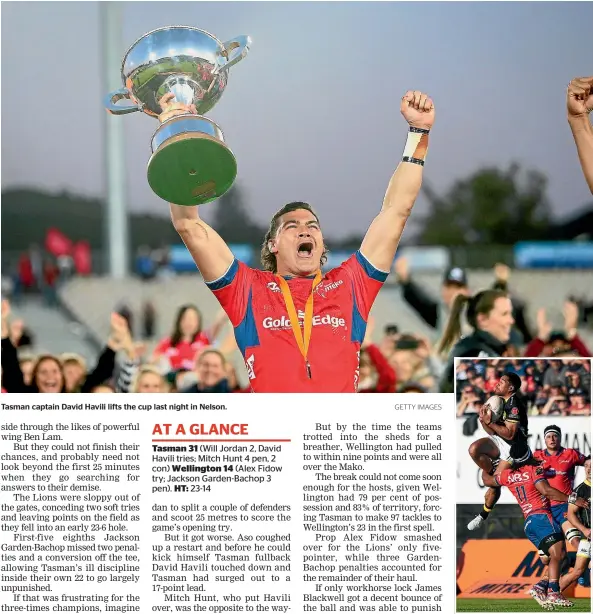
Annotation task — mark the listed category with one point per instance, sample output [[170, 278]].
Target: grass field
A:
[[515, 605]]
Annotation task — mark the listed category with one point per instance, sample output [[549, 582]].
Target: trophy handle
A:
[[115, 109], [234, 51]]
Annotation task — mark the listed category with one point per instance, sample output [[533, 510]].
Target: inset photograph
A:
[[523, 494]]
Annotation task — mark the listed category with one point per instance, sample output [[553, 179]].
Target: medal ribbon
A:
[[302, 337]]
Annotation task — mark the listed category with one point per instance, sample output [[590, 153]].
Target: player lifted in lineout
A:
[[532, 491], [507, 443], [300, 330]]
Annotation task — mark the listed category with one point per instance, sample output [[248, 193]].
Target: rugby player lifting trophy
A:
[[300, 329], [190, 162]]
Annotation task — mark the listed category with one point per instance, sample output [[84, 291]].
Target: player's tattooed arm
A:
[[383, 235], [209, 251]]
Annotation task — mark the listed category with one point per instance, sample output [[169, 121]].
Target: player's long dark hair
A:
[[176, 335], [480, 303], [268, 259]]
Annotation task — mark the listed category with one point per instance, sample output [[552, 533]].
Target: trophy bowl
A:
[[190, 163]]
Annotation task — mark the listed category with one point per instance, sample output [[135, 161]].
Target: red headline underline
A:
[[250, 440]]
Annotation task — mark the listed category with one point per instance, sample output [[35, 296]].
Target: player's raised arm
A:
[[579, 103], [209, 251], [384, 233]]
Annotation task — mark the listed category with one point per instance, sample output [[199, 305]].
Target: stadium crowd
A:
[[195, 358], [551, 387]]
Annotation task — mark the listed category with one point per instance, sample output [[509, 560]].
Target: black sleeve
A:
[[425, 306], [102, 372], [12, 376], [521, 321]]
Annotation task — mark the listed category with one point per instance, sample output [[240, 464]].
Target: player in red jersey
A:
[[560, 464], [300, 330], [532, 491]]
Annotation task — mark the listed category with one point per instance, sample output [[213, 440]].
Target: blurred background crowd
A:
[[551, 387], [103, 335]]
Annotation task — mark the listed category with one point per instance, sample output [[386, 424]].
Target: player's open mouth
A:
[[305, 249]]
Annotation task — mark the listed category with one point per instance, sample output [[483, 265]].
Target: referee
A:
[[581, 519]]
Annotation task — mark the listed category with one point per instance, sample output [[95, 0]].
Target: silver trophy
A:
[[190, 162]]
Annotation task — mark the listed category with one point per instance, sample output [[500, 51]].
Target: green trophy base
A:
[[191, 169]]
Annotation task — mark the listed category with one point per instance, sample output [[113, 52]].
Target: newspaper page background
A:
[[308, 504]]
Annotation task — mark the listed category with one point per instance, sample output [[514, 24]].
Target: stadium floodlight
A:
[[116, 213]]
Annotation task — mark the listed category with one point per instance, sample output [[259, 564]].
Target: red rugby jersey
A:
[[560, 468], [521, 482], [342, 301], [182, 355]]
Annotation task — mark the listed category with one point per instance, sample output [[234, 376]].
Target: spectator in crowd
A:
[[25, 279], [472, 397], [187, 338], [148, 320], [48, 373], [211, 372], [26, 363], [413, 388], [126, 313], [489, 313], [502, 274], [51, 274], [20, 336], [149, 379], [553, 374], [387, 342], [436, 313], [413, 362], [558, 343], [102, 389], [433, 312], [375, 372], [75, 371]]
